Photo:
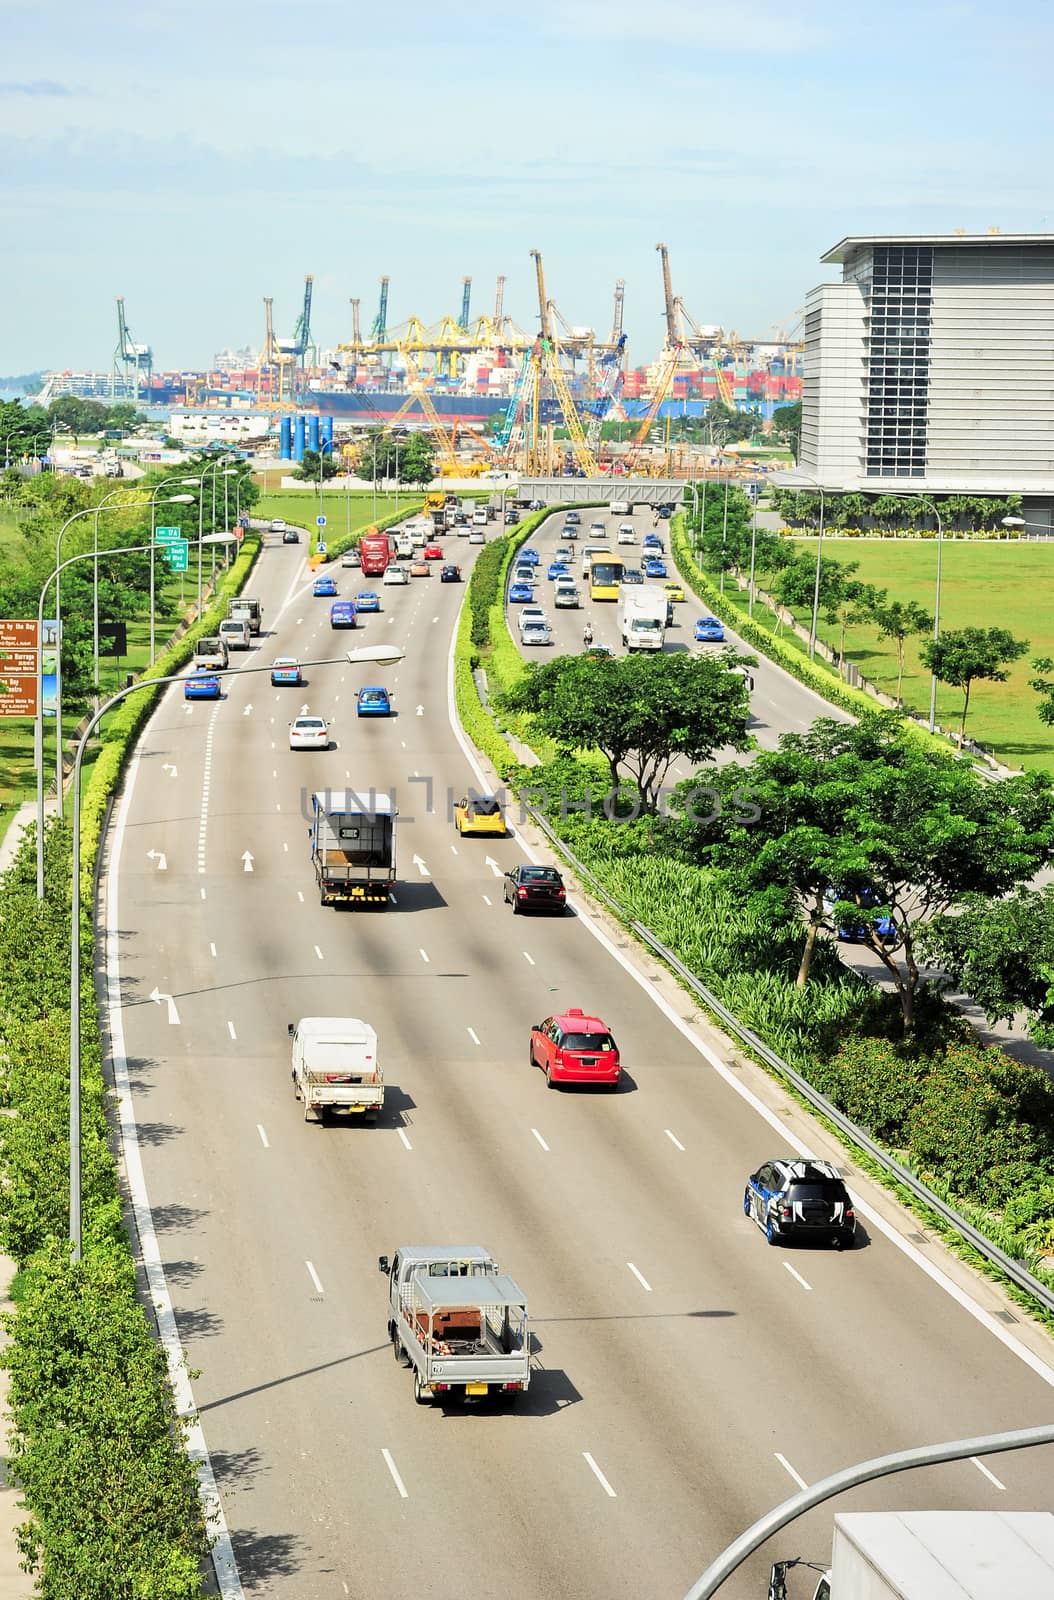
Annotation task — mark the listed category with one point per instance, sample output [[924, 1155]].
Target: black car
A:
[[290, 536], [512, 517], [665, 510], [460, 519], [790, 1198], [535, 889], [450, 574]]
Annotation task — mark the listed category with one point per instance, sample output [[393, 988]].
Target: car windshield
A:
[[598, 1042], [309, 724], [823, 1189], [540, 875], [485, 808], [372, 697]]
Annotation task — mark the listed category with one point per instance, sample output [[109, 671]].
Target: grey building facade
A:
[[929, 368]]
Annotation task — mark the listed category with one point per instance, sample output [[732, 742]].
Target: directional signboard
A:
[[177, 555], [19, 665], [166, 535]]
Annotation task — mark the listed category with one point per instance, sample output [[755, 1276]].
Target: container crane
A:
[[356, 331], [674, 338], [448, 460], [499, 300], [550, 367], [466, 298], [616, 315], [302, 340], [379, 330], [610, 378], [129, 361]]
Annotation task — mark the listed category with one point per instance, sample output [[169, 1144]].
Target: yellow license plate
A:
[[476, 1388]]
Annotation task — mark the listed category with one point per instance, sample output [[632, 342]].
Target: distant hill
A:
[[25, 383]]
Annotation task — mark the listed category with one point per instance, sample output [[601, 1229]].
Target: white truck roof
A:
[[324, 1042], [349, 802], [946, 1555], [496, 1289]]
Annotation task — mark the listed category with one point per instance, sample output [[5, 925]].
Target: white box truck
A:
[[353, 847], [335, 1068], [642, 617], [930, 1555]]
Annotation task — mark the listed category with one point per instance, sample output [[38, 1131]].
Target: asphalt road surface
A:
[[686, 1376]]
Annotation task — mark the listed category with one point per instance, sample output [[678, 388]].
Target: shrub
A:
[[874, 1083]]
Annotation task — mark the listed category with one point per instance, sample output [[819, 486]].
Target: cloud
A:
[[38, 89]]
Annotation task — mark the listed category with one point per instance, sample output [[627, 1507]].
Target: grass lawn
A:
[[345, 512], [1000, 584]]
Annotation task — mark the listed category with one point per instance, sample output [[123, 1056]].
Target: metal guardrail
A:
[[1017, 1274]]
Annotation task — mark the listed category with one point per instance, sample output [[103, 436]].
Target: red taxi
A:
[[575, 1048]]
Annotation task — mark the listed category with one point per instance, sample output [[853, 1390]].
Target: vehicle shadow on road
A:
[[416, 897]]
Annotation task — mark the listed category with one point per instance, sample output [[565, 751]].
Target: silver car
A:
[[533, 633], [566, 596]]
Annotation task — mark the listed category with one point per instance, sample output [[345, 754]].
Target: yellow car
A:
[[673, 591], [479, 814]]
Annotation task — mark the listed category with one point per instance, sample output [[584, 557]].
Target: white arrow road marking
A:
[[304, 710], [157, 995], [419, 864], [248, 860], [489, 861], [420, 711], [160, 857], [248, 709], [170, 768]]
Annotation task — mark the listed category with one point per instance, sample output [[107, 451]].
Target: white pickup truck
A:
[[458, 1321], [335, 1067]]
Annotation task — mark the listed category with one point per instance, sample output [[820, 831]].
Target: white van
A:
[[620, 508], [234, 632], [211, 652], [404, 546], [479, 517], [627, 533]]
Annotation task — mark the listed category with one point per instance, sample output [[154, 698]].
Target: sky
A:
[[196, 158]]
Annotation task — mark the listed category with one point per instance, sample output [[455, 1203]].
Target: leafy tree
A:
[[786, 425], [895, 830], [796, 584], [24, 430], [851, 601], [417, 460], [965, 655], [1044, 686], [1002, 953], [312, 463], [727, 424], [78, 414], [900, 620], [641, 711]]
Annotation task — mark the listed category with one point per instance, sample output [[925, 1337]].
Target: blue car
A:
[[342, 614], [710, 630], [521, 593], [373, 702], [201, 686], [557, 569], [528, 556], [286, 670], [325, 586], [651, 541], [367, 600], [655, 568], [884, 927]]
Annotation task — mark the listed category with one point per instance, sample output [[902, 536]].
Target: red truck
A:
[[376, 550]]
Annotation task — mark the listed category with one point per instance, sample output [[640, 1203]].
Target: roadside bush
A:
[[874, 1082], [982, 1120], [484, 586]]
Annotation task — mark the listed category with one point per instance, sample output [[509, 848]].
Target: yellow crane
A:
[[550, 366], [448, 463]]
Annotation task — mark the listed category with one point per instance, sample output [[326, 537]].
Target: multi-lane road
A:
[[686, 1375]]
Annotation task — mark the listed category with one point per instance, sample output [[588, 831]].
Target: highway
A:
[[687, 1376]]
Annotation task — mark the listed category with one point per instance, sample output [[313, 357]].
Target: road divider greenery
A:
[[114, 1511], [976, 1125]]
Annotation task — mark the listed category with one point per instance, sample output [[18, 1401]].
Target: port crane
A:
[[130, 361], [547, 365]]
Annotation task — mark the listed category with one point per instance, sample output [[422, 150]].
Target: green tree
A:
[[78, 414], [310, 465], [1044, 686], [641, 711], [796, 584], [1001, 952], [901, 620], [963, 656], [786, 425], [851, 602], [727, 424], [896, 830], [417, 460]]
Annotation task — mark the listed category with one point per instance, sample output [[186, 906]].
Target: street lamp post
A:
[[936, 615], [379, 655], [86, 555], [816, 582], [177, 499], [724, 537], [753, 546]]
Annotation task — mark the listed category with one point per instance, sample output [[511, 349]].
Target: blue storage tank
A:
[[286, 435], [312, 434], [298, 440], [327, 434]]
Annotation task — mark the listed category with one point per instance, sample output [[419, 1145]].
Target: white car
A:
[[350, 558], [565, 595], [477, 536], [598, 527], [309, 733], [395, 574], [536, 633], [277, 524], [563, 552], [627, 534], [524, 573], [530, 614]]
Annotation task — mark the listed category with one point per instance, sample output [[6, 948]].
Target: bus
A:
[[605, 575]]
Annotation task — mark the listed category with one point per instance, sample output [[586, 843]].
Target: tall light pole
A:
[[816, 581], [753, 546], [379, 655], [936, 615], [86, 555], [724, 537], [178, 499]]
